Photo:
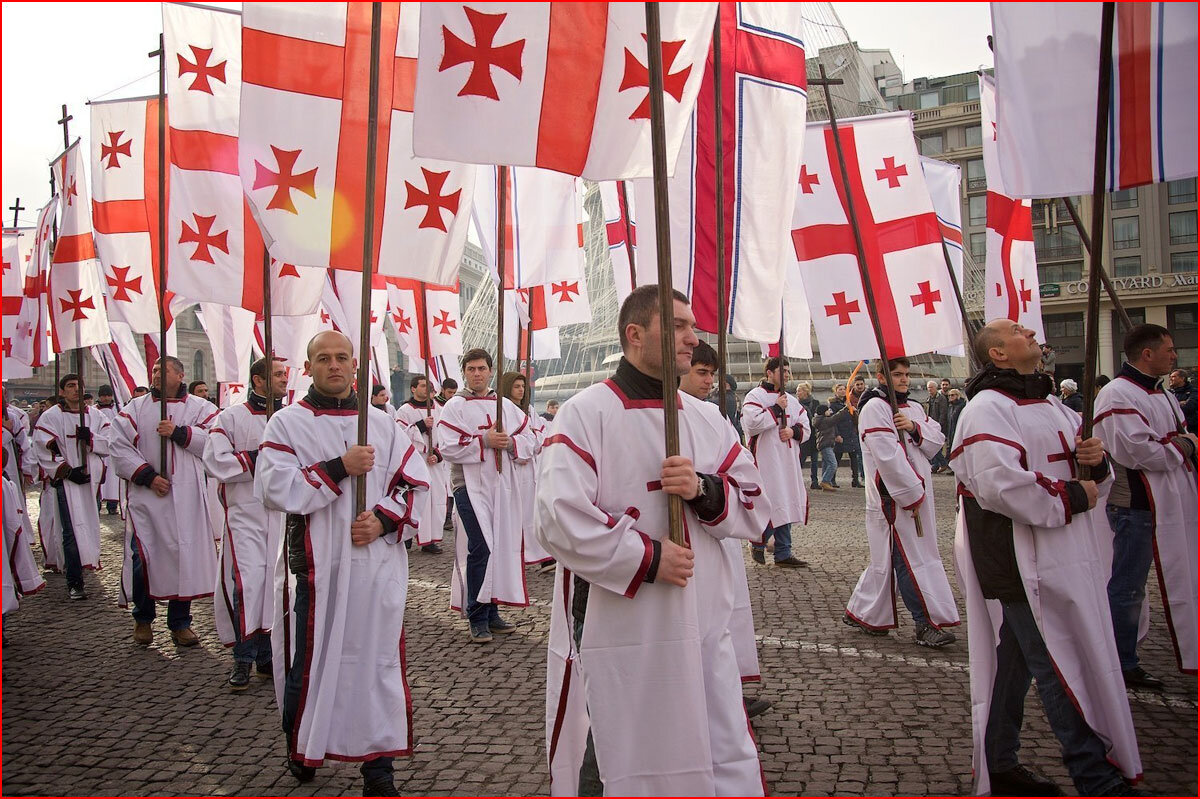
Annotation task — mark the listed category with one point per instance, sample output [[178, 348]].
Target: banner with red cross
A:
[[124, 361], [427, 324], [556, 305], [560, 86], [29, 340], [520, 340], [620, 230], [17, 253], [914, 300], [302, 151], [78, 317], [230, 331], [944, 180]]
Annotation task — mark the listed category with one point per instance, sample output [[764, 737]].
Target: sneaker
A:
[[828, 487], [301, 772], [184, 637], [815, 486], [481, 635], [142, 633], [934, 638], [1020, 781], [791, 562], [265, 670], [1138, 678], [850, 621], [1122, 788], [76, 593], [548, 566], [755, 707], [239, 678], [758, 555], [431, 549], [500, 627], [383, 787]]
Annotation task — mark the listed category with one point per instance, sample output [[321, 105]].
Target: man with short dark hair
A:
[[419, 416], [939, 410], [380, 397], [140, 391], [551, 410], [449, 389], [1185, 393], [109, 492], [808, 448], [198, 388]]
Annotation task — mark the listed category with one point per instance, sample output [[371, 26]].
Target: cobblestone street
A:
[[86, 711]]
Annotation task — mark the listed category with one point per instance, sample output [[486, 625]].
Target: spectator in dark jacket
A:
[[1071, 397], [938, 408], [809, 448], [957, 403], [847, 438], [1185, 392], [825, 425]]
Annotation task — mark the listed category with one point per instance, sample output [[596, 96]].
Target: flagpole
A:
[[529, 371], [45, 279], [719, 190], [364, 324], [501, 215], [77, 353], [1092, 317], [425, 355], [1086, 240], [868, 290], [268, 345], [623, 186], [161, 54], [962, 308], [662, 232]]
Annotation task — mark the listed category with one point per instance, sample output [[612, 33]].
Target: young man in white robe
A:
[[20, 567], [896, 452], [1152, 505], [20, 467], [489, 567], [644, 696], [67, 451], [342, 578], [244, 605], [775, 429], [418, 417], [170, 553], [1029, 562], [109, 494]]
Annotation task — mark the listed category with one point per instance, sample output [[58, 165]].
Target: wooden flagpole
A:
[[425, 356], [46, 277], [962, 308], [662, 232], [161, 54], [1086, 240], [719, 162], [268, 345], [501, 216], [623, 187]]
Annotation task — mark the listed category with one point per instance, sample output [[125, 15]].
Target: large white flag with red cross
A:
[[944, 179], [620, 230], [1047, 58], [303, 143], [30, 338], [1010, 273], [914, 301], [556, 305], [17, 254], [427, 323], [76, 295], [560, 86]]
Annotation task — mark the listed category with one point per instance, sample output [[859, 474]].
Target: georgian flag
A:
[[342, 306], [620, 231], [945, 182], [30, 342], [124, 361], [427, 324], [561, 86], [556, 305], [76, 295], [230, 331], [519, 339], [17, 253]]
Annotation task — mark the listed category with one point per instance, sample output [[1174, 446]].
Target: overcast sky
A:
[[55, 53]]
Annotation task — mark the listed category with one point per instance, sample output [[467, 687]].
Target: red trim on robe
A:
[[640, 575]]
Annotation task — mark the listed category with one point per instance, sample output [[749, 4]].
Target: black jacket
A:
[[1186, 394], [1074, 402], [825, 427]]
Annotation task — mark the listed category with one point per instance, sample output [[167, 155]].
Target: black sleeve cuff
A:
[[180, 435], [424, 428], [915, 434], [652, 572], [1101, 472], [710, 506], [252, 454], [144, 476], [797, 433], [1076, 497], [778, 412], [389, 524], [335, 469]]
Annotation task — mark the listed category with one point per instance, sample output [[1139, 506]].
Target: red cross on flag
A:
[[426, 330], [1010, 273], [944, 180], [215, 250], [76, 295], [560, 86], [620, 229], [556, 305], [30, 341], [18, 250], [519, 339], [914, 301], [1046, 128], [303, 143], [342, 303]]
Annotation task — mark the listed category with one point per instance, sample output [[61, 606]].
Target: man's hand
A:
[[1089, 486], [786, 434], [781, 401], [83, 434], [679, 477], [429, 423], [165, 428], [160, 486], [359, 460], [365, 529], [431, 459], [837, 439], [61, 473], [494, 439], [902, 422], [1089, 453], [675, 564]]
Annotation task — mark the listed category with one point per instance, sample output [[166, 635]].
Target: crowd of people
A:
[[301, 537]]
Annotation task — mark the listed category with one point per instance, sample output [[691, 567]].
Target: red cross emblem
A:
[[7, 266], [842, 309], [444, 323], [288, 270], [7, 347], [324, 317], [1013, 220], [433, 199], [638, 75], [891, 173], [1065, 455], [926, 296], [235, 388], [121, 284], [564, 290], [403, 323], [808, 180], [203, 237], [201, 69], [114, 148], [70, 191], [285, 179], [483, 55], [76, 305], [1025, 296]]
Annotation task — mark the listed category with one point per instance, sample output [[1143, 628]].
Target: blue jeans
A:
[[783, 541], [253, 649], [1133, 554], [72, 565], [1020, 656], [907, 586], [939, 460], [179, 612], [828, 466], [478, 613]]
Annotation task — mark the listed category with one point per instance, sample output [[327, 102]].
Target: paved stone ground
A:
[[89, 712]]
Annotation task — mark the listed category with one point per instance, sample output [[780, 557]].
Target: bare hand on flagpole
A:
[[675, 564], [359, 460]]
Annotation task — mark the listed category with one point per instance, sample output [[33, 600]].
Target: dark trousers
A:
[[907, 586], [72, 566], [478, 613], [1133, 555], [179, 612], [1022, 655], [253, 649], [854, 455], [809, 451]]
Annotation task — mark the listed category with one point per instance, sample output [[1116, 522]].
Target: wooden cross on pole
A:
[[66, 123], [16, 208]]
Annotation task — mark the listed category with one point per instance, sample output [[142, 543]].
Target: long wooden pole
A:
[[268, 344], [501, 244], [1092, 318], [161, 54], [368, 259], [77, 353], [968, 328], [719, 191], [662, 233], [425, 356], [1086, 240], [46, 277], [623, 187]]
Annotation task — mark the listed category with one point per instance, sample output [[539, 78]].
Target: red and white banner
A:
[[290, 336], [17, 254], [425, 328], [1046, 70], [124, 361], [914, 301], [303, 143], [557, 305], [230, 331], [76, 295], [560, 86], [620, 230], [519, 339], [1010, 273], [30, 343], [342, 306], [944, 180]]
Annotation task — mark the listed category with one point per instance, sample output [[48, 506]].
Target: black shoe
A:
[[431, 549], [755, 707], [480, 635], [500, 627], [1020, 781], [380, 788], [814, 486], [1122, 788], [934, 638], [758, 555], [301, 772], [857, 485], [76, 593], [850, 621], [239, 678], [1138, 678], [791, 563], [548, 567], [265, 669]]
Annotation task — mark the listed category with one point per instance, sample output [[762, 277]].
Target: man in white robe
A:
[[20, 467], [775, 429], [1152, 505], [169, 549], [903, 555], [110, 485], [342, 578], [643, 692], [418, 416], [1028, 558], [489, 567], [58, 439], [244, 605], [20, 569]]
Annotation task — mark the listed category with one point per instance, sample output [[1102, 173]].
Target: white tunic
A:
[[250, 541], [778, 461], [1007, 453], [656, 670], [527, 490], [906, 475], [172, 533], [495, 496], [55, 443], [25, 573], [411, 417], [1138, 428], [355, 703], [20, 569], [110, 483], [13, 511]]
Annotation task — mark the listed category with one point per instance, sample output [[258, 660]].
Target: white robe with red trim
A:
[[173, 533], [1138, 428], [655, 676], [1008, 454], [778, 461], [57, 427], [355, 703], [433, 517], [110, 483], [27, 578], [244, 603], [906, 475], [495, 496], [527, 487], [14, 509]]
